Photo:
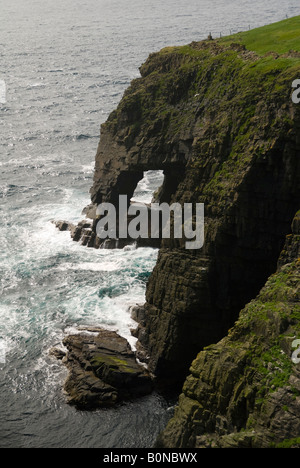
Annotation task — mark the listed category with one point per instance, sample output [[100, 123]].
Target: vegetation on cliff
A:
[[281, 38]]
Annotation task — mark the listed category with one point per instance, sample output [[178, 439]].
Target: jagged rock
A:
[[233, 146], [102, 370], [62, 225], [85, 233], [90, 211]]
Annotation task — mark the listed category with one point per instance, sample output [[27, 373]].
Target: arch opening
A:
[[148, 187]]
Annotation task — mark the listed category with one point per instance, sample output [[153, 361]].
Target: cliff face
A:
[[217, 117], [219, 121], [245, 391]]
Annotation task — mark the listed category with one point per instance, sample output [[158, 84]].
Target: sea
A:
[[64, 66]]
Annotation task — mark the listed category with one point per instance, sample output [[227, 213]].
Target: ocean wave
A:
[[103, 266]]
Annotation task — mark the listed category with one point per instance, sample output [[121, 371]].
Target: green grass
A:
[[288, 443], [279, 37]]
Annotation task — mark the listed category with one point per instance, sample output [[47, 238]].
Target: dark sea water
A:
[[66, 64]]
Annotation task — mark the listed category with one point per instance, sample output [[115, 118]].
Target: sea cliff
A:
[[217, 117], [244, 391]]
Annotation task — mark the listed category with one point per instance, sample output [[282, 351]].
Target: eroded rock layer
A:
[[219, 120]]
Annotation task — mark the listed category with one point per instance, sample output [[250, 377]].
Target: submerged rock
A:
[[102, 370]]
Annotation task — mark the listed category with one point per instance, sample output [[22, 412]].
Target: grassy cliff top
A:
[[280, 37], [176, 73]]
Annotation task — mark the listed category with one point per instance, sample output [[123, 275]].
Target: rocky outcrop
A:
[[103, 370], [85, 232], [244, 392]]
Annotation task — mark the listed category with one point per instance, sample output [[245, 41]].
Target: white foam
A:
[[105, 266], [2, 92], [89, 168], [36, 85], [146, 187], [130, 247]]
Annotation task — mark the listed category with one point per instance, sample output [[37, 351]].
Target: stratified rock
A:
[[102, 370], [230, 144], [244, 392]]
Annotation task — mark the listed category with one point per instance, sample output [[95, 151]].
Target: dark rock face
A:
[[244, 392], [291, 249], [102, 370]]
